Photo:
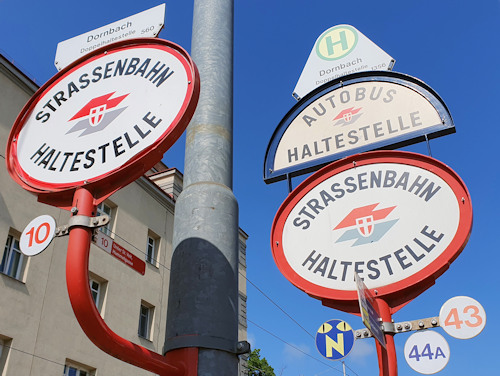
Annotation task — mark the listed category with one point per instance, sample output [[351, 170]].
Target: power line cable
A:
[[281, 309], [33, 355], [265, 295], [294, 347]]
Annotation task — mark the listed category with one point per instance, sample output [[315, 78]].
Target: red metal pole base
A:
[[387, 360]]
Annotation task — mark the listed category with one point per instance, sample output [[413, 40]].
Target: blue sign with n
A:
[[335, 339]]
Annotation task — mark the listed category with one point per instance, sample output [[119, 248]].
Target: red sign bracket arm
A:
[[182, 362]]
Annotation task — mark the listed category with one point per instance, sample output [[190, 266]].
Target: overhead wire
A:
[[266, 296], [254, 285], [294, 347], [33, 355]]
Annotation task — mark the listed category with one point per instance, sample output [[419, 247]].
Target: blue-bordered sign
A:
[[335, 339], [353, 114], [369, 314]]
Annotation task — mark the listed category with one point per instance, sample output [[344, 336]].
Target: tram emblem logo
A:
[[97, 114], [347, 116], [365, 224]]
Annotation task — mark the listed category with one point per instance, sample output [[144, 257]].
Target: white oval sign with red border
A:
[[104, 113], [462, 317], [37, 235], [397, 219]]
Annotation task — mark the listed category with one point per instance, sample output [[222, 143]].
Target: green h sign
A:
[[336, 42]]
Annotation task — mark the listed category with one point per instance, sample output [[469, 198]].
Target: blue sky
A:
[[453, 46]]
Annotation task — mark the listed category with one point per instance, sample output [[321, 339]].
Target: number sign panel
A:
[[462, 317], [37, 236], [427, 352]]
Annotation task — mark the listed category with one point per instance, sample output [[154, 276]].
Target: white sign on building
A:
[[141, 25]]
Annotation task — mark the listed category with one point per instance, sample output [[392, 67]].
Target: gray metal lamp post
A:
[[203, 296]]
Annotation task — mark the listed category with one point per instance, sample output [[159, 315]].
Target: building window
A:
[[152, 248], [98, 290], [95, 289], [4, 352], [12, 259], [106, 208], [73, 369], [145, 320]]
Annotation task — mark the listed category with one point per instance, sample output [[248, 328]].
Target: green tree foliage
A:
[[258, 366]]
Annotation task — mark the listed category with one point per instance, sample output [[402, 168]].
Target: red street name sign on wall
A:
[[397, 219], [109, 245]]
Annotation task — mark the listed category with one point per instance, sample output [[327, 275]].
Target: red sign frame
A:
[[103, 186], [395, 294]]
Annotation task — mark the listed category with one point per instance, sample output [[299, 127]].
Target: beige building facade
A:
[[39, 334]]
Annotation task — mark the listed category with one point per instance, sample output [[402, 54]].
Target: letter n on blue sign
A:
[[335, 339]]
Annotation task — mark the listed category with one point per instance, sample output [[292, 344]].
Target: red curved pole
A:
[[77, 279], [387, 360]]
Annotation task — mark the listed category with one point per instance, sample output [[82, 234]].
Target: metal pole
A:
[[387, 360], [203, 295]]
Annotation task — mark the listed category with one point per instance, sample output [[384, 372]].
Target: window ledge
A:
[[13, 278]]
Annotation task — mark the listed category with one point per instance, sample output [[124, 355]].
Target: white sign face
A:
[[353, 117], [385, 221], [141, 25], [100, 114], [427, 352], [462, 317], [397, 219], [37, 236], [339, 51]]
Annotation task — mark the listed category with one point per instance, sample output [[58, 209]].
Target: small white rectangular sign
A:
[[369, 315], [104, 242], [141, 25]]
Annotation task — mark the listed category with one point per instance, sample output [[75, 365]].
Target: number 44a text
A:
[[426, 353]]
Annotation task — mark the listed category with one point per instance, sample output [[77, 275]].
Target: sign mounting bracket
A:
[[83, 221], [400, 327]]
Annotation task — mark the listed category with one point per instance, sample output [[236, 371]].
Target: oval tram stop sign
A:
[[104, 120], [397, 219]]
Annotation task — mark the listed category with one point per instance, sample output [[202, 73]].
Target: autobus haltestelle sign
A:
[[397, 219], [103, 113]]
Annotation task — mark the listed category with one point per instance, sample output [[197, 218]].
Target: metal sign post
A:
[[203, 293], [387, 360]]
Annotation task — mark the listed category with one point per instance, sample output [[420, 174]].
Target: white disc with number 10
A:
[[37, 235], [462, 317]]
